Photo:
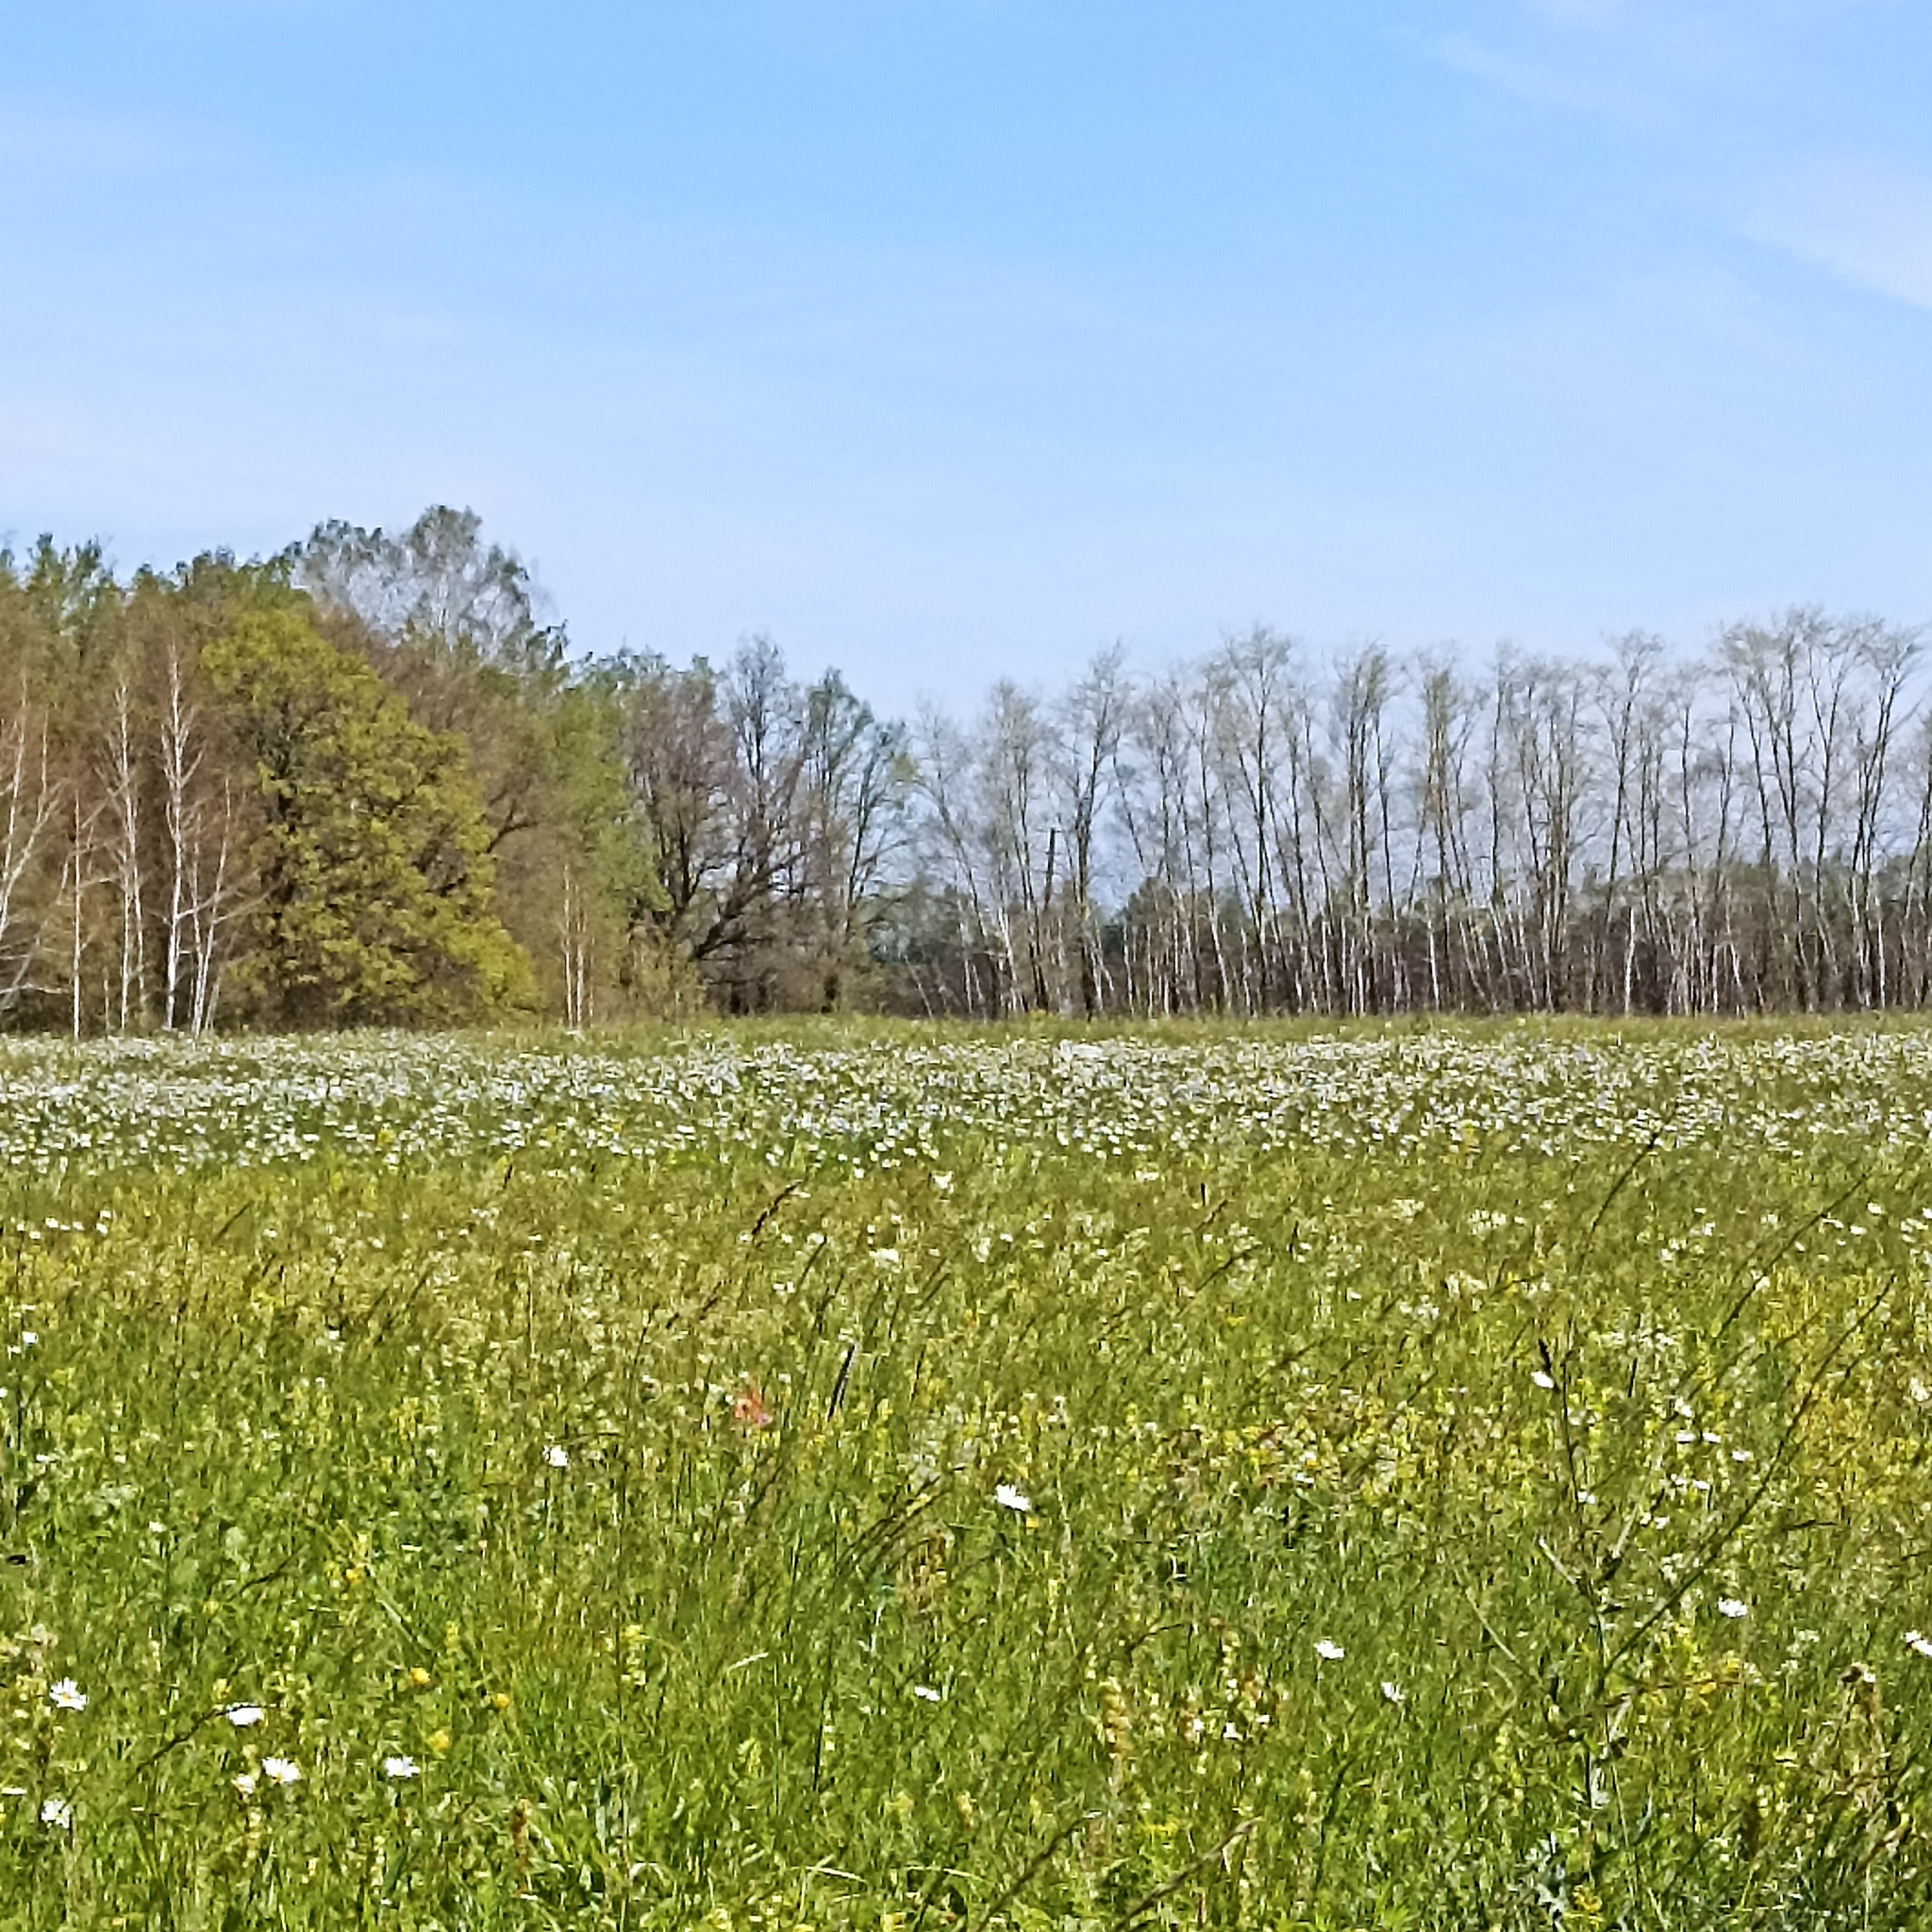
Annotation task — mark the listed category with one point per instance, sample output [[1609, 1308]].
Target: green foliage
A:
[[451, 624], [838, 1479], [375, 899], [1255, 833]]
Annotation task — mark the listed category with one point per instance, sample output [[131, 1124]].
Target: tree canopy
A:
[[373, 899], [368, 781]]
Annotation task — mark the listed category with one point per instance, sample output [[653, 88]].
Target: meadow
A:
[[833, 1476]]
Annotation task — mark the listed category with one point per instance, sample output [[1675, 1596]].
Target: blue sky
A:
[[953, 339]]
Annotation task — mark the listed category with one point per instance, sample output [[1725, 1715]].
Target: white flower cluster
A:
[[884, 1104]]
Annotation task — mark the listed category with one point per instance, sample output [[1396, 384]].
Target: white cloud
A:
[[68, 146], [1578, 12], [1869, 221], [1463, 53]]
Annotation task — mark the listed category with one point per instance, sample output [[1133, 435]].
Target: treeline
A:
[[1747, 829], [363, 782], [366, 782]]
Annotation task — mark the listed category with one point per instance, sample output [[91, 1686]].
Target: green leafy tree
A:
[[458, 626], [376, 886]]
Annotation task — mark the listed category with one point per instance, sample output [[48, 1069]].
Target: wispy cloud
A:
[[1867, 221], [1578, 12], [36, 139], [1527, 78]]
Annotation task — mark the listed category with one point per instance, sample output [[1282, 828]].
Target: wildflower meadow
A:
[[830, 1477]]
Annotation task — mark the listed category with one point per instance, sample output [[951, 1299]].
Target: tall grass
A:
[[1501, 1504]]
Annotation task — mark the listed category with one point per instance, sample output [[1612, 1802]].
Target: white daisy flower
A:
[[1331, 1653], [245, 1782], [1732, 1607], [67, 1695], [1393, 1693], [926, 1694], [556, 1457], [400, 1768], [1542, 1380], [283, 1770], [56, 1812], [1017, 1500], [243, 1715]]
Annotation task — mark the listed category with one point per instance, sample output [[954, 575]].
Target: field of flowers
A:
[[826, 1477]]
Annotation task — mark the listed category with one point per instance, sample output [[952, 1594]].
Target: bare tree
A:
[[1092, 727], [30, 803]]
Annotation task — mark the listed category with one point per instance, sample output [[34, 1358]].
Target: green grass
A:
[[1399, 1422]]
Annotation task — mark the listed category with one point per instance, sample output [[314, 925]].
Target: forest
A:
[[368, 782]]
